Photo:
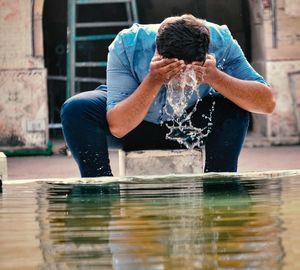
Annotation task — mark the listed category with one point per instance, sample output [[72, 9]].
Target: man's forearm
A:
[[250, 95], [130, 112]]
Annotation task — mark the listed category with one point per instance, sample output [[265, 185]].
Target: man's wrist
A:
[[153, 81], [219, 79]]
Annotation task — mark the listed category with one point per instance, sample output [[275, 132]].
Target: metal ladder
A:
[[72, 38]]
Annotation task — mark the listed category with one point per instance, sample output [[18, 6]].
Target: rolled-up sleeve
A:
[[120, 81], [236, 63]]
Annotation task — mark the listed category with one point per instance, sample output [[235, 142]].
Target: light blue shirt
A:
[[131, 52]]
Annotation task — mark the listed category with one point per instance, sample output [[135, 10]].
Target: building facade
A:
[[275, 53], [23, 98]]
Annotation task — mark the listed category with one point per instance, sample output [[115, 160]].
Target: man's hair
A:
[[184, 37]]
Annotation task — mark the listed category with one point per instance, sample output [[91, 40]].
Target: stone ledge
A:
[[3, 167], [255, 175]]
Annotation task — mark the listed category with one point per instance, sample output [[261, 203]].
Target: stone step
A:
[[160, 162]]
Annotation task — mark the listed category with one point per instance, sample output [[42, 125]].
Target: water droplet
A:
[[178, 94]]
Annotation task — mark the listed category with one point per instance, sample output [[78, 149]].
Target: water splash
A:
[[179, 91]]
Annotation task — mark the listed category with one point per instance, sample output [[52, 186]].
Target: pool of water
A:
[[218, 222]]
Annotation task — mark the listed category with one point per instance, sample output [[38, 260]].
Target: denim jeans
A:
[[85, 130]]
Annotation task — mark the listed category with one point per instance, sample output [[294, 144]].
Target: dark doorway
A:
[[54, 30], [233, 13]]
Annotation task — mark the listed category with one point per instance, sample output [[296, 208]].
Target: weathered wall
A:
[[283, 125], [287, 34], [282, 66], [23, 99], [276, 54]]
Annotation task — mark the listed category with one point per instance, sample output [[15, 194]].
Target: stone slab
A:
[[23, 105], [256, 175], [284, 77], [160, 162], [292, 8], [3, 167]]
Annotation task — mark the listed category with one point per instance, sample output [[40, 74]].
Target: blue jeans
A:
[[85, 130]]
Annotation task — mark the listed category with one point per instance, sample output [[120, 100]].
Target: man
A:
[[141, 61]]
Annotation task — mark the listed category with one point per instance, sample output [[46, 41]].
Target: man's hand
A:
[[207, 72], [162, 70], [250, 95]]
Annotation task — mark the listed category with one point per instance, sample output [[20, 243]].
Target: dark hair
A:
[[185, 37]]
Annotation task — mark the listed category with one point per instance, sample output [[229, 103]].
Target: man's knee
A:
[[71, 108], [84, 107]]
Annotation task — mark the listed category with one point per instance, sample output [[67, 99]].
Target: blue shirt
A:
[[131, 52]]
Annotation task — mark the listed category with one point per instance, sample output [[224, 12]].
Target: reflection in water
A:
[[74, 222], [173, 224]]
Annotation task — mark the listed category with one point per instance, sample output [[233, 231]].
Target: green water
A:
[[170, 223]]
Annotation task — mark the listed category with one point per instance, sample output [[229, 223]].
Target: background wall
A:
[[23, 99], [280, 33], [269, 36]]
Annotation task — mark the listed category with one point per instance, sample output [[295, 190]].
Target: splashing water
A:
[[181, 129]]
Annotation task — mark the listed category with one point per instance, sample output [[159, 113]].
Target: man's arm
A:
[[131, 111], [250, 95]]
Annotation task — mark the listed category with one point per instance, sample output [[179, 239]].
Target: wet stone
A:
[[160, 162]]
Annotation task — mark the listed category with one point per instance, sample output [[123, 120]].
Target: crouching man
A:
[[141, 61]]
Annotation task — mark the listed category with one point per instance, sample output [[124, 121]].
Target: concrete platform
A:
[[151, 162], [61, 166], [3, 167]]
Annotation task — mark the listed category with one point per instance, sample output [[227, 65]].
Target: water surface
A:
[[167, 223]]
